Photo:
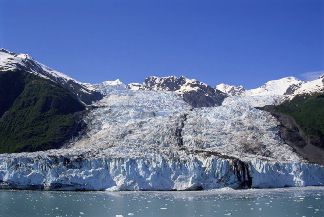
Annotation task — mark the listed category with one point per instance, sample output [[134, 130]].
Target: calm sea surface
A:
[[244, 203]]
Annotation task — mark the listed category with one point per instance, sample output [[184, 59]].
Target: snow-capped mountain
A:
[[310, 87], [194, 92], [134, 86], [275, 87], [107, 87], [288, 86], [279, 87], [231, 90], [10, 61]]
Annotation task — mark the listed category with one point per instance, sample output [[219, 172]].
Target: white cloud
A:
[[312, 75]]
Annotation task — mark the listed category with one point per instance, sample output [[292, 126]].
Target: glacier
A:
[[153, 140], [165, 134]]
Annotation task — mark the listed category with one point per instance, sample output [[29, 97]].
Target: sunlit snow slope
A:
[[10, 61]]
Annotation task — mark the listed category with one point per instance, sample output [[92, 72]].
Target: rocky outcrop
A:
[[195, 93], [294, 136]]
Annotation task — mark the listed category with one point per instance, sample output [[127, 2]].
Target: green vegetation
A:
[[308, 112], [36, 114], [11, 86]]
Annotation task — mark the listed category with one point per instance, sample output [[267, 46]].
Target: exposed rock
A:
[[293, 135], [195, 93]]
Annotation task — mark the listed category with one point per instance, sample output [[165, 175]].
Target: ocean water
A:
[[225, 202]]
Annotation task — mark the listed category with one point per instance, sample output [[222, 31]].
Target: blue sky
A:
[[233, 41]]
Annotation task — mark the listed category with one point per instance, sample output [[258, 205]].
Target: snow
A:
[[274, 87], [286, 88], [10, 61], [181, 84], [310, 87], [7, 61], [134, 86], [190, 85], [231, 90], [108, 87], [116, 82]]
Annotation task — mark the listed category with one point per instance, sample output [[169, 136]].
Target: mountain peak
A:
[[275, 87], [10, 61], [194, 92], [231, 90], [310, 87], [107, 87], [3, 50], [170, 83], [116, 82]]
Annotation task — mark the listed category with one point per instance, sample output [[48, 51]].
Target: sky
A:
[[215, 41]]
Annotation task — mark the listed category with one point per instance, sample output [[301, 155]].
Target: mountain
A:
[[40, 108], [231, 90], [309, 87], [134, 86], [194, 92], [288, 86], [299, 111], [302, 123], [168, 133], [10, 61], [107, 87], [274, 87]]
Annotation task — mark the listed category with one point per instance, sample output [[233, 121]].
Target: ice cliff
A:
[[195, 172]]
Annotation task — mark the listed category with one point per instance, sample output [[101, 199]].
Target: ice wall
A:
[[155, 173]]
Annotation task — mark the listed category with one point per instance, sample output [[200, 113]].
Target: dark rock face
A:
[[241, 169], [83, 94], [292, 89], [195, 93], [179, 129], [171, 83], [200, 98]]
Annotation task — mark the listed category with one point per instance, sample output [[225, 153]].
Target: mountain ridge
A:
[[10, 61]]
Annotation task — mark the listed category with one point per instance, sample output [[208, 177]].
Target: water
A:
[[275, 203]]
